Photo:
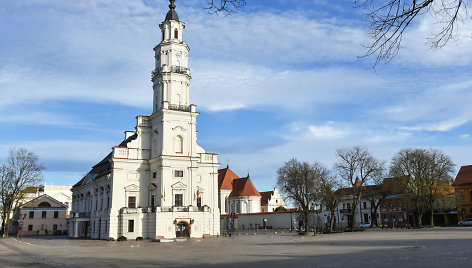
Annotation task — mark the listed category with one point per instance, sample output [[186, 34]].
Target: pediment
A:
[[44, 198], [178, 128], [132, 188], [90, 178], [152, 187], [179, 185]]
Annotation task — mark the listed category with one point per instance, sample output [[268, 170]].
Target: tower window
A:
[[179, 173], [163, 35], [132, 202], [176, 34]]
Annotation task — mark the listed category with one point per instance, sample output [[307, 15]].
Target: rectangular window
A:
[[154, 175], [56, 214], [108, 202], [30, 227], [179, 173], [130, 226], [132, 202], [44, 214], [54, 227], [31, 214], [365, 205], [178, 200], [152, 200]]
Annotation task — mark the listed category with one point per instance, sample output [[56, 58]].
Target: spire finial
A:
[[172, 5]]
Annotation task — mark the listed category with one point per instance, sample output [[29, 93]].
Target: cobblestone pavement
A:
[[437, 247]]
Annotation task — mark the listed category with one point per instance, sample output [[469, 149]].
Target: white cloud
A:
[[457, 52], [224, 86], [441, 107], [65, 150]]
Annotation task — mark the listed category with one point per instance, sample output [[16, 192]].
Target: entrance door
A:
[[85, 228], [182, 229]]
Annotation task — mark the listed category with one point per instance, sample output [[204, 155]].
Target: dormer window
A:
[[176, 34]]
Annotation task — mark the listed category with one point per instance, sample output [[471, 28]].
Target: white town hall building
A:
[[158, 183]]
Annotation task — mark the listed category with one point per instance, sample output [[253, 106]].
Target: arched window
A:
[[44, 205], [176, 34], [163, 35], [244, 208], [178, 144]]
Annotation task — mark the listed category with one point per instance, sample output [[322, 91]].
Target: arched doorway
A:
[[182, 229], [43, 230]]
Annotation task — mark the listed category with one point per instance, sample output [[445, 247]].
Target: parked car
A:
[[467, 222], [365, 225]]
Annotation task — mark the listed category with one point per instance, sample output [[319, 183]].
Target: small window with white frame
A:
[[178, 173]]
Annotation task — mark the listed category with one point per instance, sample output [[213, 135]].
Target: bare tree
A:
[[428, 174], [388, 21], [298, 181], [22, 170], [377, 193], [328, 185], [225, 6], [356, 166]]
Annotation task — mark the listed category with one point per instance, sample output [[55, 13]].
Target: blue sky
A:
[[279, 79]]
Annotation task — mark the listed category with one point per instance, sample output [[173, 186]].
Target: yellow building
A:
[[463, 187]]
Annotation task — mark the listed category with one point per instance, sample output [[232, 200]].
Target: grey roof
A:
[[172, 15]]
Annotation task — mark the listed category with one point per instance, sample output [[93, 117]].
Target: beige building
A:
[[62, 194], [43, 215], [271, 200]]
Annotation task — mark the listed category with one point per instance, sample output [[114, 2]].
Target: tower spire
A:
[[172, 15]]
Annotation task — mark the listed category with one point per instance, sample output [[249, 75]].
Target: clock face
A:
[[178, 55]]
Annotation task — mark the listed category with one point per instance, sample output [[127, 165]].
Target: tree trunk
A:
[[432, 218], [307, 221], [420, 220], [373, 220], [331, 222]]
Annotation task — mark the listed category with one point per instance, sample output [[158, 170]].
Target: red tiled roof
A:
[[464, 176], [244, 187], [225, 179], [265, 197], [30, 190]]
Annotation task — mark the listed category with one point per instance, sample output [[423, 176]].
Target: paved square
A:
[[438, 247]]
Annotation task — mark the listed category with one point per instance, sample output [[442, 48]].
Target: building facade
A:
[[463, 187], [271, 200], [158, 183], [62, 194], [43, 215]]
